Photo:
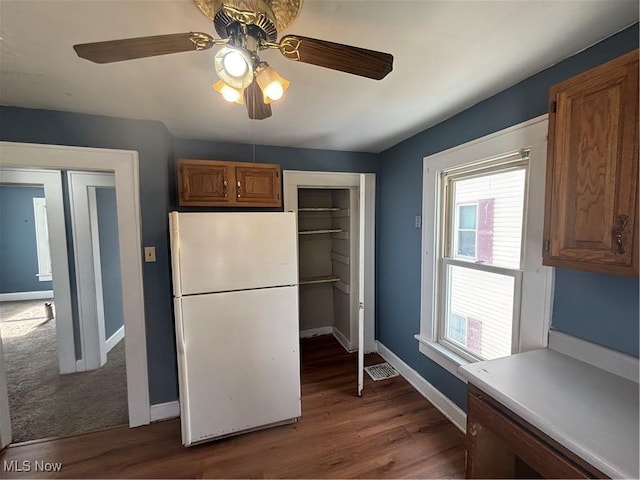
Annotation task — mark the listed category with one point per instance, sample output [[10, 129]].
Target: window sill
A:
[[442, 356]]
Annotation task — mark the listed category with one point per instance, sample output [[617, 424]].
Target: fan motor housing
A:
[[266, 17]]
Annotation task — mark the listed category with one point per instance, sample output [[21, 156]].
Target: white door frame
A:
[[366, 261], [52, 182], [294, 179], [86, 246], [124, 164]]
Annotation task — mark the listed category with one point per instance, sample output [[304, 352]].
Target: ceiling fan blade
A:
[[131, 48], [254, 100], [345, 58]]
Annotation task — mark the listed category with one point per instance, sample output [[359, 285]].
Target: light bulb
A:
[[234, 64], [274, 90], [230, 94]]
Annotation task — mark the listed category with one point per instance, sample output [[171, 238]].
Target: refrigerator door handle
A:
[[179, 326]]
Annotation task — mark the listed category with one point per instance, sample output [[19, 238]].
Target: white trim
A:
[[52, 182], [164, 411], [453, 412], [97, 269], [330, 330], [86, 245], [444, 357], [19, 296], [618, 363], [125, 165], [342, 340], [537, 281], [315, 332], [114, 339], [42, 239]]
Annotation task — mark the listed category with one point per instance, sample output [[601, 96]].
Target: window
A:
[[42, 239], [485, 293], [479, 260]]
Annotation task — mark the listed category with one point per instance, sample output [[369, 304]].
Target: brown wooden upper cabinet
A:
[[591, 205], [210, 183]]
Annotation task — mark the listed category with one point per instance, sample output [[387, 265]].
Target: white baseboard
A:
[[314, 332], [455, 414], [164, 411], [19, 296], [115, 339], [342, 340], [601, 357]]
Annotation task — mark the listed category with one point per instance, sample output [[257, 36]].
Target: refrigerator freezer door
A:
[[218, 252], [238, 360]]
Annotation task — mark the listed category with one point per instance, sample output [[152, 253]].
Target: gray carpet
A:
[[42, 402]]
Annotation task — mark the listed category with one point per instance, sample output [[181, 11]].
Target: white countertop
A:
[[592, 412]]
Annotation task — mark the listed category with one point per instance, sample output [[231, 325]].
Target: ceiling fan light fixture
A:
[[234, 66], [271, 83], [229, 93]]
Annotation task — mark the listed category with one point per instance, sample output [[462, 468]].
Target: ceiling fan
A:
[[246, 27]]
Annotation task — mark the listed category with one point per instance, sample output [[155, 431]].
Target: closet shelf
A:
[[325, 279], [318, 209], [320, 230]]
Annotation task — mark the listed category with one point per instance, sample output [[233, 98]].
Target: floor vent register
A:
[[381, 371]]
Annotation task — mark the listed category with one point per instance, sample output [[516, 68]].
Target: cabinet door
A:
[[591, 218], [203, 183], [258, 185]]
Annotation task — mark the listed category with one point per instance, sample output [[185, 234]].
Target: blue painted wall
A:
[[598, 308], [398, 241], [109, 259], [19, 255], [155, 147]]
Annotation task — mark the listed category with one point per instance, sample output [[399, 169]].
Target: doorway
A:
[[124, 165], [336, 224]]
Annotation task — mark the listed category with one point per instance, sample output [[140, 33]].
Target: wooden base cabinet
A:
[[210, 183], [591, 220], [500, 444]]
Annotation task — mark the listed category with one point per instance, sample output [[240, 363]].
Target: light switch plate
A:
[[149, 254], [418, 221]]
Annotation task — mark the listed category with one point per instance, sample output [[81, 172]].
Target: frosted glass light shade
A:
[[234, 66], [272, 85], [229, 93]]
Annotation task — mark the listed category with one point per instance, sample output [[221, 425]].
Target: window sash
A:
[[458, 229], [443, 307]]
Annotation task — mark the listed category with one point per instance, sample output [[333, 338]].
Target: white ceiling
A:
[[448, 54]]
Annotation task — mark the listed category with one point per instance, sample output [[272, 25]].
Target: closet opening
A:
[[328, 252], [336, 262]]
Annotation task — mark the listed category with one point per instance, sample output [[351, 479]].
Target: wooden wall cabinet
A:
[[591, 206], [210, 183]]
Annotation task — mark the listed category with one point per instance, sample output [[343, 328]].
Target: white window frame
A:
[[42, 239], [537, 280]]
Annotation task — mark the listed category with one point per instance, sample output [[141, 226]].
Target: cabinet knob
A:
[[621, 224]]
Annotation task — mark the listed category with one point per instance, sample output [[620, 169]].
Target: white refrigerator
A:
[[235, 289]]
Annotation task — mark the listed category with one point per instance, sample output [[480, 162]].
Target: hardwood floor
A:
[[390, 432]]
